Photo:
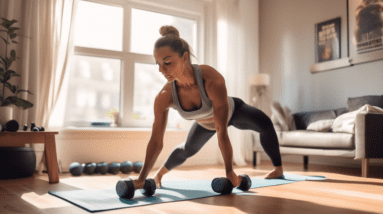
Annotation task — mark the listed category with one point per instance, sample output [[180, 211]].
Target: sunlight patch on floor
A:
[[352, 193], [98, 182], [45, 201]]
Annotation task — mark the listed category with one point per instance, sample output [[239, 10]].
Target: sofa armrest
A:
[[369, 135]]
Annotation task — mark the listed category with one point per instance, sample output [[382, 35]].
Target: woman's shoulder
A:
[[210, 74], [164, 98]]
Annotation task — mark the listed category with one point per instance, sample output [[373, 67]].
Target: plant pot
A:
[[6, 114]]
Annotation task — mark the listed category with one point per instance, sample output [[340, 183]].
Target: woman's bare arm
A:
[[217, 92], [162, 104]]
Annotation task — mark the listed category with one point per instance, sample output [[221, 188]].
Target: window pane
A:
[[98, 26], [146, 25], [94, 90], [148, 82]]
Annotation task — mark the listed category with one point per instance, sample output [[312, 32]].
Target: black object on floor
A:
[[17, 162]]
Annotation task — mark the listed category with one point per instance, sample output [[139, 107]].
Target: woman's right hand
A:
[[138, 183], [234, 178]]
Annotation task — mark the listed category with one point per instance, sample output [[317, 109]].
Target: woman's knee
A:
[[189, 151]]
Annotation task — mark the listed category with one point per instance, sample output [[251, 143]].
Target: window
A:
[[113, 67]]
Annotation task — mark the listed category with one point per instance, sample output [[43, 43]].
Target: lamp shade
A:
[[260, 80]]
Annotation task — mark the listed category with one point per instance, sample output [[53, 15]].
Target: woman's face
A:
[[169, 63]]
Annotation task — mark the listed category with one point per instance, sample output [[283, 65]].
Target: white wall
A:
[[119, 145], [287, 50]]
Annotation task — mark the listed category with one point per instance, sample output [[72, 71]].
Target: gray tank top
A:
[[206, 110]]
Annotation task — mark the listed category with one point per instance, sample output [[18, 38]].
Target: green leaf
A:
[[13, 53], [13, 29], [14, 89], [7, 76], [8, 63], [20, 90], [12, 35], [7, 101], [13, 73], [13, 41], [9, 86], [18, 102], [7, 24], [2, 71]]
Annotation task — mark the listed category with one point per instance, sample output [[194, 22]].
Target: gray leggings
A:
[[245, 117]]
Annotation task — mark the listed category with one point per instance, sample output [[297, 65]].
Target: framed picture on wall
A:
[[365, 26], [327, 40]]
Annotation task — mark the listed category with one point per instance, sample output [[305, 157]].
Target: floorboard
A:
[[344, 191]]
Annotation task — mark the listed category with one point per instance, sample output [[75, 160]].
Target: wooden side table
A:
[[20, 138]]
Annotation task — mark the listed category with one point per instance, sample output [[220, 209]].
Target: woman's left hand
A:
[[234, 178]]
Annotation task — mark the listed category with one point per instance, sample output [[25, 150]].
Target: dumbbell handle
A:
[[125, 188], [138, 184]]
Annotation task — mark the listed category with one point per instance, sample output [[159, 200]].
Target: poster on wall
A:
[[327, 41], [366, 26]]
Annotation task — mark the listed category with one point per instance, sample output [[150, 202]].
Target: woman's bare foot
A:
[[276, 173], [158, 176]]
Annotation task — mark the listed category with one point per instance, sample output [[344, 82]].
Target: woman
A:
[[198, 92]]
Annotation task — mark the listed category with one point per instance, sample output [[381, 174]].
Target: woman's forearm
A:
[[152, 152], [226, 150]]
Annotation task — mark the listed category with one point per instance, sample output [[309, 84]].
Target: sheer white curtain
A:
[[45, 53], [237, 60]]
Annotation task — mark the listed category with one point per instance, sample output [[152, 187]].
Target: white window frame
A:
[[190, 9]]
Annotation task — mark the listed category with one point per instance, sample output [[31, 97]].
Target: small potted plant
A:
[[6, 73]]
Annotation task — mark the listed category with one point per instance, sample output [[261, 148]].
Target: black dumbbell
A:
[[126, 167], [12, 126], [114, 168], [137, 166], [89, 168], [125, 188], [75, 168], [224, 186], [101, 168]]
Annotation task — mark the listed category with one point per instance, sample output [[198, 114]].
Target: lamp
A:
[[259, 81]]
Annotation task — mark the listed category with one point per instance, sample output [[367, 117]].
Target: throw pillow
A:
[[279, 115], [355, 103], [346, 122], [275, 122], [289, 118], [321, 125]]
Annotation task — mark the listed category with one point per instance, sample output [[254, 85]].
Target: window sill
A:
[[109, 132]]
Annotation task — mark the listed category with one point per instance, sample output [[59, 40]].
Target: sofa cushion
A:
[[303, 119], [340, 111], [321, 125], [354, 103], [312, 139]]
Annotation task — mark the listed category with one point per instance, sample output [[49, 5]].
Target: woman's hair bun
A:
[[165, 30]]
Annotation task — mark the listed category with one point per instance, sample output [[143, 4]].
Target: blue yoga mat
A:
[[171, 191]]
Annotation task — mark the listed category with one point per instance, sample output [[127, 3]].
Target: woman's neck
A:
[[186, 79]]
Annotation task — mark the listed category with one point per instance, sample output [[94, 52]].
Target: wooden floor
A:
[[344, 191]]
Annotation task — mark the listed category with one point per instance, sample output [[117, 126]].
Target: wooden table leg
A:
[[365, 164], [51, 158]]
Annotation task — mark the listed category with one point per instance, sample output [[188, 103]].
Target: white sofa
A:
[[354, 132]]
